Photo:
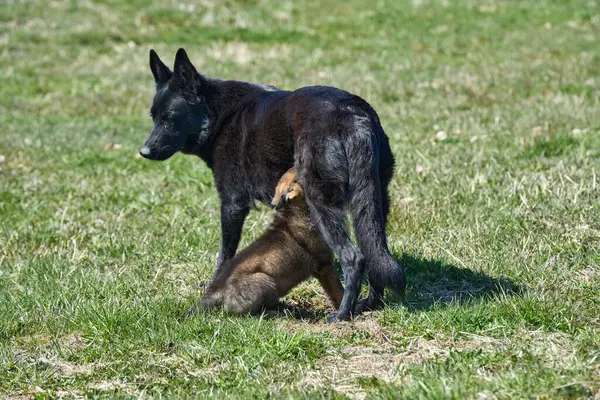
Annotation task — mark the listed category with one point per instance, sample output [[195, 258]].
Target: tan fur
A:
[[290, 251]]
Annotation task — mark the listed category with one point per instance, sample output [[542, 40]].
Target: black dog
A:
[[250, 135]]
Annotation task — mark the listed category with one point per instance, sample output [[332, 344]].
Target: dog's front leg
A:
[[233, 215]]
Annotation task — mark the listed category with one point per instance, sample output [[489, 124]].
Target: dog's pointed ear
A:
[[183, 66], [161, 72]]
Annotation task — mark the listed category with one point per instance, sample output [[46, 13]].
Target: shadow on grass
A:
[[430, 283], [434, 283]]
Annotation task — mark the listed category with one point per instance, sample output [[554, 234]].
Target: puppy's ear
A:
[[161, 72], [183, 66]]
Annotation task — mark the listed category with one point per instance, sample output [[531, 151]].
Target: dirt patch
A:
[[366, 323], [66, 368], [342, 369], [75, 341], [20, 396], [378, 355], [555, 349], [128, 389], [590, 275], [109, 385], [40, 357]]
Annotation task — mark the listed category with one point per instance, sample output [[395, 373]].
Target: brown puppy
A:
[[290, 251]]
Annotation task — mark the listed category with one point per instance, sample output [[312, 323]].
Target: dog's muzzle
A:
[[145, 152]]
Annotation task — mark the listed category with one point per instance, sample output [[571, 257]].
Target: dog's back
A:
[[286, 254]]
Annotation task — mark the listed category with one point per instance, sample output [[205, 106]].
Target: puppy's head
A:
[[287, 189]]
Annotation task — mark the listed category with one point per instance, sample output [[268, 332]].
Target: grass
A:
[[492, 112]]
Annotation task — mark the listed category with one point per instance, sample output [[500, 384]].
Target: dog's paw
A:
[[331, 318], [368, 304], [337, 317], [361, 307]]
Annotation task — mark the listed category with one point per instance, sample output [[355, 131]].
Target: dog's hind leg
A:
[[323, 173], [332, 225], [250, 293]]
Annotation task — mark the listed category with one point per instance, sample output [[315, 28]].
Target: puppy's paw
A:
[[192, 311], [203, 286]]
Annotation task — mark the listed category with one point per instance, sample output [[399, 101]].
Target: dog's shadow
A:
[[434, 283], [431, 283]]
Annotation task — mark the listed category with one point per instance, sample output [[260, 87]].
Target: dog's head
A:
[[287, 189], [178, 110]]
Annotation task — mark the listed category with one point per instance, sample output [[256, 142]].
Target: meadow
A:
[[492, 108]]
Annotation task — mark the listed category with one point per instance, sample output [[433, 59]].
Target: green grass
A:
[[497, 219]]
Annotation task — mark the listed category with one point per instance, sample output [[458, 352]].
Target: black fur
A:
[[250, 134]]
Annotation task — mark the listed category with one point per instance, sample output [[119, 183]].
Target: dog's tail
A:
[[366, 206]]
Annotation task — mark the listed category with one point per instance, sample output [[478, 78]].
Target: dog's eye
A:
[[291, 189]]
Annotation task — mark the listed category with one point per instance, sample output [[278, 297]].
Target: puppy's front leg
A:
[[233, 215]]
